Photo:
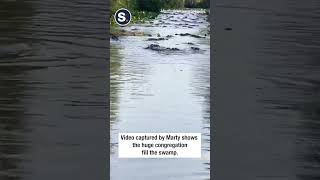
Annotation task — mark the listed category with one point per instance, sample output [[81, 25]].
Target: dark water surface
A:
[[53, 93], [165, 90], [269, 109]]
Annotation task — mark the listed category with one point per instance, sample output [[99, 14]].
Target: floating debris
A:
[[191, 35], [195, 48], [156, 39], [156, 47], [114, 37]]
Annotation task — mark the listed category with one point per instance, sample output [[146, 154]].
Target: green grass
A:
[[145, 10]]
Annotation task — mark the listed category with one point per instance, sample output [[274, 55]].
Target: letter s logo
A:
[[122, 17]]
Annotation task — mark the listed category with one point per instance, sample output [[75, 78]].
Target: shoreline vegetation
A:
[[144, 10]]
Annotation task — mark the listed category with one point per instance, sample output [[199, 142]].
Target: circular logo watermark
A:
[[122, 17]]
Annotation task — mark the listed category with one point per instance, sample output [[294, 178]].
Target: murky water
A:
[[272, 92], [53, 93], [292, 85], [53, 69], [162, 89]]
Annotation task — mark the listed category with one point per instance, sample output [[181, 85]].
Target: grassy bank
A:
[[143, 10]]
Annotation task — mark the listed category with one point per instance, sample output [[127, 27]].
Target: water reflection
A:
[[13, 127], [115, 63], [292, 42], [162, 90], [309, 138], [53, 89], [268, 67], [201, 90], [14, 16], [12, 124]]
